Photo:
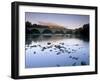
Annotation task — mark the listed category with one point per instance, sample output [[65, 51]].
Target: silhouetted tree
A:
[[28, 24], [83, 31], [86, 30]]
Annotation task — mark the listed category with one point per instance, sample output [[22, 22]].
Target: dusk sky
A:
[[70, 21]]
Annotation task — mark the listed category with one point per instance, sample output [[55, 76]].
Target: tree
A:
[[83, 31], [86, 30], [28, 24]]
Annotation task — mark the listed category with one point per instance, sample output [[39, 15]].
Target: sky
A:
[[70, 21]]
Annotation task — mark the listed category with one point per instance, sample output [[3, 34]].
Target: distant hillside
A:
[[44, 25], [50, 24]]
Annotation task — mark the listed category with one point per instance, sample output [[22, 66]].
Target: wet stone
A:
[[68, 52], [43, 48], [55, 49], [33, 46], [83, 63], [70, 56], [58, 53], [68, 48], [48, 43], [61, 50], [73, 50], [39, 45], [49, 47], [62, 43], [58, 65], [76, 44], [75, 58], [34, 52], [50, 50], [58, 46]]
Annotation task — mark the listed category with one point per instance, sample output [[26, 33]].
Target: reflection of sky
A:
[[67, 20], [72, 48]]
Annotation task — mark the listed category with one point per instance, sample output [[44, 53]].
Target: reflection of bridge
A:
[[49, 30]]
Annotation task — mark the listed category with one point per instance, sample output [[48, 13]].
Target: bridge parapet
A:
[[53, 30]]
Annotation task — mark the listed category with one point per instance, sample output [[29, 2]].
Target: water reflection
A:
[[56, 50]]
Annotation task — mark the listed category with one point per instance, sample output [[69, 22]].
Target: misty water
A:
[[56, 51]]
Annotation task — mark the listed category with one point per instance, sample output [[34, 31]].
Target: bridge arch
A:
[[59, 32], [47, 31], [35, 31]]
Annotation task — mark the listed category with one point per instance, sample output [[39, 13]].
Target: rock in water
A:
[[83, 63], [76, 44], [58, 53], [33, 46], [34, 52], [58, 65], [48, 43], [43, 48], [75, 58], [70, 56], [50, 50]]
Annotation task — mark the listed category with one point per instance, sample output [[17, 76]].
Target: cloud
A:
[[50, 24]]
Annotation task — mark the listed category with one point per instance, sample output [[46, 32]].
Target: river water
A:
[[56, 51]]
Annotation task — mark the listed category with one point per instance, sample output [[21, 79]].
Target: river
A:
[[56, 51]]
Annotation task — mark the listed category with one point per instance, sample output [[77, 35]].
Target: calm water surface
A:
[[56, 51]]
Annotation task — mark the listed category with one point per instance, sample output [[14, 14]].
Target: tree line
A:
[[84, 31]]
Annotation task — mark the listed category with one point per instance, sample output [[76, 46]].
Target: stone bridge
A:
[[49, 30]]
